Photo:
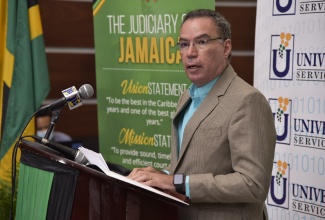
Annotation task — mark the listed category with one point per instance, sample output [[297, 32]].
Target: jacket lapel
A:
[[206, 107], [184, 101]]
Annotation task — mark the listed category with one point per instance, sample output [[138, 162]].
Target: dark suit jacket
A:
[[227, 151]]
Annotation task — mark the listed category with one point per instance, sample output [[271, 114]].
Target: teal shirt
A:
[[197, 94]]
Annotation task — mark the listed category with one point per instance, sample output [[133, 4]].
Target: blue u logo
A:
[[285, 8], [279, 201], [286, 70], [283, 136]]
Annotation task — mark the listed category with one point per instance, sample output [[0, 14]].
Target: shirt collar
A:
[[201, 92]]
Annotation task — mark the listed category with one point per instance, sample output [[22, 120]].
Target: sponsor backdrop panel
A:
[[139, 77], [289, 68]]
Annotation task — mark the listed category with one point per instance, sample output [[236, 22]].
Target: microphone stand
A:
[[54, 118]]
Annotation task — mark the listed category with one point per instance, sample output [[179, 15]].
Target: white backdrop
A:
[[290, 71]]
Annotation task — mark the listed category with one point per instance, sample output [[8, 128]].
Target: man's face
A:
[[203, 65]]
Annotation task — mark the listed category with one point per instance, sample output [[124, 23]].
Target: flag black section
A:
[[32, 3], [5, 97]]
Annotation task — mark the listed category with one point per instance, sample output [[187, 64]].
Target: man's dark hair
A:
[[221, 23]]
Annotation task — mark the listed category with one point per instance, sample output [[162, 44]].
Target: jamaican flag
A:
[[24, 79]]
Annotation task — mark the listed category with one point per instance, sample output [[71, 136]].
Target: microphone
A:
[[72, 154], [72, 96]]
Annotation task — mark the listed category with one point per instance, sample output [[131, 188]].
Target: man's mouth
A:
[[192, 67]]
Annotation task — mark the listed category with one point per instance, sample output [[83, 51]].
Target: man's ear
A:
[[227, 48]]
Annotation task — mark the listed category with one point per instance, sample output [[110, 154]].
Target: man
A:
[[43, 121], [223, 133]]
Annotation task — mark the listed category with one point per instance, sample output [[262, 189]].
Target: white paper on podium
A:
[[98, 160], [95, 158]]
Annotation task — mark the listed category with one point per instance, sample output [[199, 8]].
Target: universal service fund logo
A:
[[288, 7], [282, 51], [281, 108], [311, 66], [284, 7], [309, 133], [279, 189], [312, 7]]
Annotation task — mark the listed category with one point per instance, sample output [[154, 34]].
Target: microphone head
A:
[[86, 91], [80, 158]]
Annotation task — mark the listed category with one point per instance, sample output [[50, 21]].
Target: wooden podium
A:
[[93, 194]]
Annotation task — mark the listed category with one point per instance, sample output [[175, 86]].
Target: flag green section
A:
[[34, 192], [24, 81]]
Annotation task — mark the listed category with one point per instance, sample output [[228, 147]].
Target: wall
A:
[[69, 41]]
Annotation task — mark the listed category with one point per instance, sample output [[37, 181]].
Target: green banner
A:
[[139, 77]]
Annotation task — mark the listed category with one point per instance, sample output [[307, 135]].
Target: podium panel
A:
[[76, 191], [44, 184]]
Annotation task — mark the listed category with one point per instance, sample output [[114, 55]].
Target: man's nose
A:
[[192, 50]]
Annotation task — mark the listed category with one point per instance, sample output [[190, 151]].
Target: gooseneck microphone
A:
[[72, 96], [70, 153]]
